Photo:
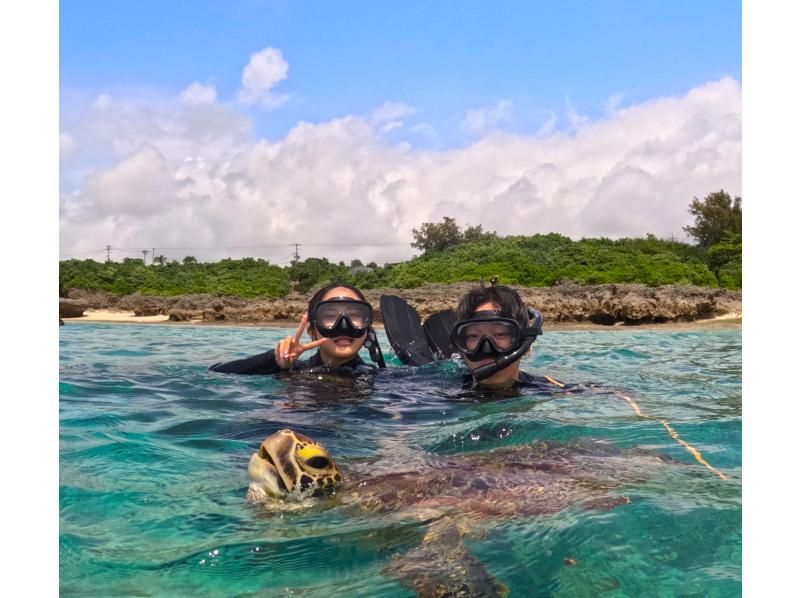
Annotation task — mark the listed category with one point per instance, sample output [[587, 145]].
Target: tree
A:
[[473, 234], [724, 253], [189, 259], [160, 260], [715, 216], [436, 237], [315, 271], [356, 263]]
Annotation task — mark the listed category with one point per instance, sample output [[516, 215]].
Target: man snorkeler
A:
[[493, 332], [491, 329]]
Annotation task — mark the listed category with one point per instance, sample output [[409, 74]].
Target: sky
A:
[[228, 129]]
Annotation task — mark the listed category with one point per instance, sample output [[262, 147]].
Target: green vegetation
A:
[[543, 260], [718, 228], [450, 255], [241, 278], [715, 218]]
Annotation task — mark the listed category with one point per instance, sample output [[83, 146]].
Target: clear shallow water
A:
[[154, 450]]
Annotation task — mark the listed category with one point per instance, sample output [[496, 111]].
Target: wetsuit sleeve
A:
[[263, 363]]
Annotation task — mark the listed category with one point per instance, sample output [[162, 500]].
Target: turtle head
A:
[[287, 463]]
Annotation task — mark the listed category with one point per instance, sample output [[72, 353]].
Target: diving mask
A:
[[342, 316], [486, 334]]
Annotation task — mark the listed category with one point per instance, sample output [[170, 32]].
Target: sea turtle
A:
[[452, 492]]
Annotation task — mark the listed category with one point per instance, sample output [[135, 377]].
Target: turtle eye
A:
[[318, 462]]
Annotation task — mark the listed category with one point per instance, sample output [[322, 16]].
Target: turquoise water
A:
[[154, 450]]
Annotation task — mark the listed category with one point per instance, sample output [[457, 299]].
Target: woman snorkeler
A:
[[339, 322]]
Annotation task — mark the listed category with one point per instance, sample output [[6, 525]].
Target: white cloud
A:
[[390, 111], [66, 145], [175, 128], [197, 94], [138, 185], [390, 116], [614, 102], [102, 101], [629, 173], [574, 119], [265, 69], [548, 126], [483, 120]]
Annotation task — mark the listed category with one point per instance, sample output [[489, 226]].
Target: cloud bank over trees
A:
[[188, 171]]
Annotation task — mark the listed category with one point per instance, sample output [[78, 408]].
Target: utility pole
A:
[[108, 253], [296, 254]]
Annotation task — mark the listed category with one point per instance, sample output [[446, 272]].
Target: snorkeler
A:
[[491, 329], [493, 332], [339, 322]]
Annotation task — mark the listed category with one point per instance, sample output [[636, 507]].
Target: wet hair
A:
[[511, 304], [317, 297]]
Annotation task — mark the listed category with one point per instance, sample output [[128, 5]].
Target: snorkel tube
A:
[[529, 336], [375, 353]]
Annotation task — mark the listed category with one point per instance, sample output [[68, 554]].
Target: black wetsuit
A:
[[525, 380], [264, 364]]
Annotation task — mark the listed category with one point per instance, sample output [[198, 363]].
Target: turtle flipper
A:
[[442, 567]]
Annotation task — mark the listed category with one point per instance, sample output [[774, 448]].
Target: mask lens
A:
[[329, 312], [327, 315], [358, 314], [503, 334]]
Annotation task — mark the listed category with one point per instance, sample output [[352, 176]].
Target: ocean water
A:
[[154, 449]]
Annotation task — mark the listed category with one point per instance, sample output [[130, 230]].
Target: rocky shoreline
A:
[[607, 305]]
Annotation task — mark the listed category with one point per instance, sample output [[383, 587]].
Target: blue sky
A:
[[443, 58], [204, 127]]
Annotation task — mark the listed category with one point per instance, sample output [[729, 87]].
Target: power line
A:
[[139, 249], [293, 257], [214, 247], [354, 244]]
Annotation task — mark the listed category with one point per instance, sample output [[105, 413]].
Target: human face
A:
[[340, 349], [505, 376]]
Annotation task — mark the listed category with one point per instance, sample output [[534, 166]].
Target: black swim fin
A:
[[437, 330], [404, 330]]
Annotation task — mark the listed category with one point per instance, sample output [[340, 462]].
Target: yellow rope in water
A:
[[554, 381], [694, 452]]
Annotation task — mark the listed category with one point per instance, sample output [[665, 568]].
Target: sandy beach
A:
[[104, 315]]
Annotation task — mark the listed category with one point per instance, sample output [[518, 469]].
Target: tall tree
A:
[[714, 217], [433, 236]]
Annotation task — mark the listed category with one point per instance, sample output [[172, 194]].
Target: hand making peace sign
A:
[[289, 349]]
